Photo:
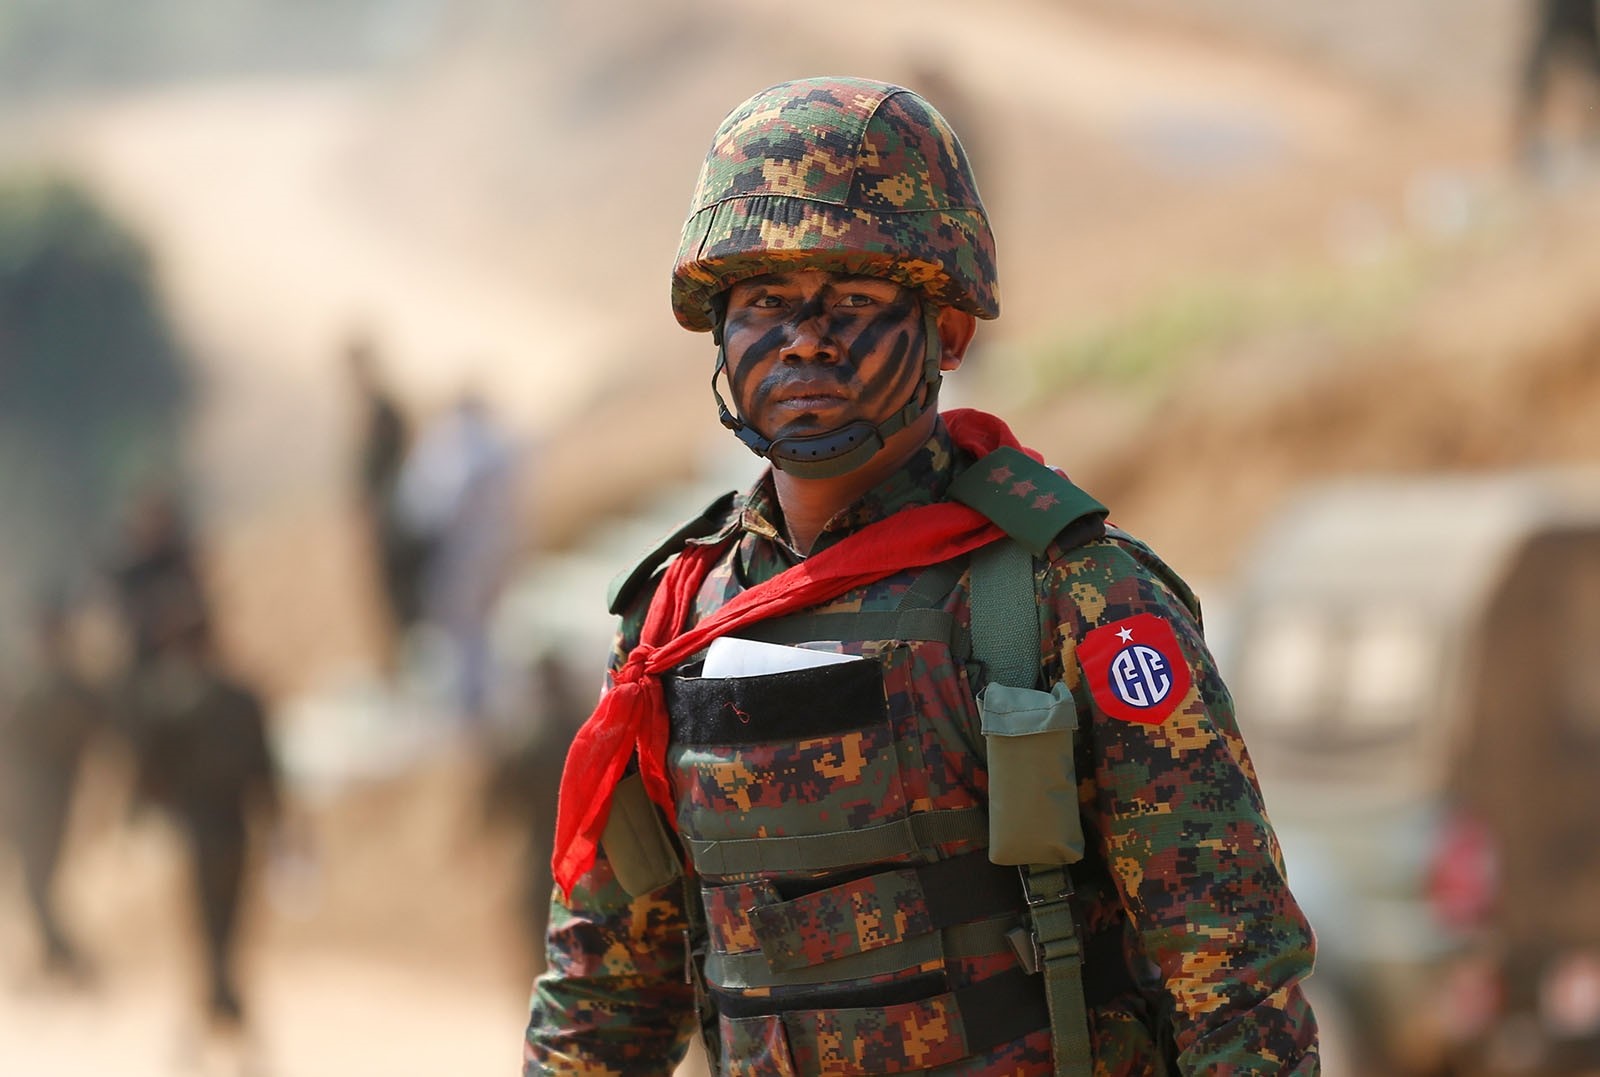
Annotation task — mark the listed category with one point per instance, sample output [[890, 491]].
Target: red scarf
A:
[[631, 716]]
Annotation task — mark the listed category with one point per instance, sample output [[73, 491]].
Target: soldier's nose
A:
[[810, 342]]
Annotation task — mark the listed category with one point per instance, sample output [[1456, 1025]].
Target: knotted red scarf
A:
[[632, 714]]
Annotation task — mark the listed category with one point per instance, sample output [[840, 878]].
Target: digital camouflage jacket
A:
[[1194, 946]]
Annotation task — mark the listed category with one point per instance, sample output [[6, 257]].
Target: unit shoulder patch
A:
[[1135, 669]]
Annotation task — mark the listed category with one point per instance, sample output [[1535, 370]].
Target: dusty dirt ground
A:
[[387, 942], [484, 215]]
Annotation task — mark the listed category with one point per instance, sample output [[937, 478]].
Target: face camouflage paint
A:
[[857, 361], [822, 368]]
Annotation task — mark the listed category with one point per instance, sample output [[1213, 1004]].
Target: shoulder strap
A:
[[1005, 614], [626, 584], [1035, 506], [1006, 638]]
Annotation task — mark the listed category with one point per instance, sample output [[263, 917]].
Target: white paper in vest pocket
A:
[[746, 658]]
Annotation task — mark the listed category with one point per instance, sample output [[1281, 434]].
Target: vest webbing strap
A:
[[826, 852], [927, 625], [1060, 957], [751, 970], [1005, 614], [909, 901], [1006, 639], [932, 585]]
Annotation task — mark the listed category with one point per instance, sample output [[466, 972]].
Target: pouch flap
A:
[[1020, 712]]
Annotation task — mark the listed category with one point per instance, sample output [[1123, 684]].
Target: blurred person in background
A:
[[203, 757], [1020, 832], [44, 734], [156, 576], [198, 734], [383, 437], [1565, 38], [457, 499], [525, 777]]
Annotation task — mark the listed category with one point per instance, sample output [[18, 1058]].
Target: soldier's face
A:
[[810, 351]]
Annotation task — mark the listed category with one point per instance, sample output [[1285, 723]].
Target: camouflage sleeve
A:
[[1174, 808], [613, 999]]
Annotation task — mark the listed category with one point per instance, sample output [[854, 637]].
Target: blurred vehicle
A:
[[1417, 669]]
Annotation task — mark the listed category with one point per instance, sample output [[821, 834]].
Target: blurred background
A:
[[337, 377]]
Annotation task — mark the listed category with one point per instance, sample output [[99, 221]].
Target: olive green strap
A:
[[1059, 955], [1005, 614], [1006, 633], [826, 852], [931, 586]]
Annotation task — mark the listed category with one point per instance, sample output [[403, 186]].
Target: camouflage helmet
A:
[[840, 174]]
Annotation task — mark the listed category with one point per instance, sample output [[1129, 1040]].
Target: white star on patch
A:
[[1125, 635]]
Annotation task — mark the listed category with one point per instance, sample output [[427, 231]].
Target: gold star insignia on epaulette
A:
[[1023, 488]]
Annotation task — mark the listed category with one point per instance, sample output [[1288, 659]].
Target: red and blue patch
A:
[[1135, 669]]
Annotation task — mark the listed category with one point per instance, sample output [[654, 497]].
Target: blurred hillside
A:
[[495, 194]]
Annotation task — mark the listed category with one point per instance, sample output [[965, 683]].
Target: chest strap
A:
[[752, 971], [829, 852], [882, 910]]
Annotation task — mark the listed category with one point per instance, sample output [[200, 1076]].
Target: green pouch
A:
[[1033, 787], [636, 843]]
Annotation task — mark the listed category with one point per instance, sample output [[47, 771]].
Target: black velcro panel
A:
[[790, 706], [1001, 1009], [967, 888], [914, 989]]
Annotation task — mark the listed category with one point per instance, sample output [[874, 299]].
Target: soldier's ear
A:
[[956, 328]]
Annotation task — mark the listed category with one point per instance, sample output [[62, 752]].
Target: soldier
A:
[[457, 495], [384, 437], [43, 739], [200, 743], [1020, 833], [156, 575]]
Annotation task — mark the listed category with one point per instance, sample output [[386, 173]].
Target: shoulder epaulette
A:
[[627, 583], [1029, 501]]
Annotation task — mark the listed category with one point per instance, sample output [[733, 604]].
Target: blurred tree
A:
[[93, 385]]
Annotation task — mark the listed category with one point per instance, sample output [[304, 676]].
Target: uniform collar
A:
[[923, 480]]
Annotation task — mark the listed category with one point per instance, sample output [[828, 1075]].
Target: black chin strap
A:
[[841, 451]]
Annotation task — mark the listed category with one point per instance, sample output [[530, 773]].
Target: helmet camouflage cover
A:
[[839, 174]]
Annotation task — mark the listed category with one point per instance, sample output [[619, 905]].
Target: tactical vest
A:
[[881, 868]]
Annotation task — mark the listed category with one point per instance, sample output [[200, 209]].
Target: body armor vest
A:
[[840, 828], [834, 816]]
